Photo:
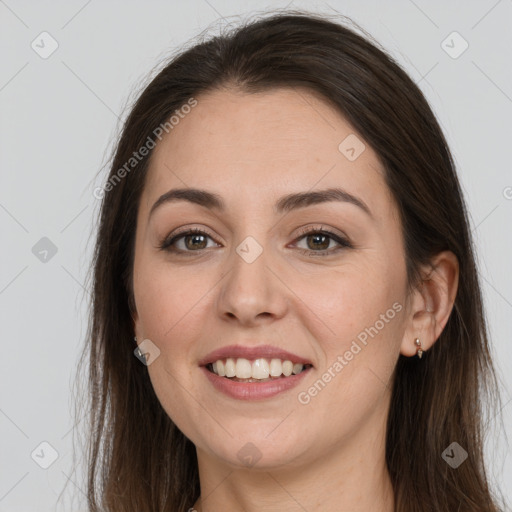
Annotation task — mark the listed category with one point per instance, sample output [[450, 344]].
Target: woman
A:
[[284, 247]]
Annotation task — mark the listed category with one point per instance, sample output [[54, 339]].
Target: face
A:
[[323, 279]]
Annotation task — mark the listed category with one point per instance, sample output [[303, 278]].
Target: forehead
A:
[[263, 145]]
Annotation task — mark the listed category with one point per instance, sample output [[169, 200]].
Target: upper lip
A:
[[254, 352]]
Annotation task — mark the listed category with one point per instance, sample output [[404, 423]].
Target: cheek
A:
[[353, 384], [362, 313], [167, 300], [170, 305], [350, 299]]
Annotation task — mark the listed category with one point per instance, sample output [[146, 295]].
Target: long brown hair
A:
[[137, 458]]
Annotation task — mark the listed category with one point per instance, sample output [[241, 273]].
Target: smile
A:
[[259, 370], [249, 388]]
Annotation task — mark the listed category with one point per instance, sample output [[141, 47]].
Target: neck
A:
[[351, 476]]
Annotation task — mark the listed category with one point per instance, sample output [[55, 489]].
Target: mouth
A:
[[239, 369]]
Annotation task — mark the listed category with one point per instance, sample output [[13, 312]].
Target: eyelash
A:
[[166, 244]]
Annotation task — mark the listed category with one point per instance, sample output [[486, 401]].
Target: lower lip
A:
[[253, 390]]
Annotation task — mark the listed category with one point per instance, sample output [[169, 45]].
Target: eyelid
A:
[[184, 231], [339, 238], [304, 230]]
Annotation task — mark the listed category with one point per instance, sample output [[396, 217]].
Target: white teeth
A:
[[220, 369], [229, 367], [297, 368], [260, 369], [243, 368], [276, 367], [287, 368]]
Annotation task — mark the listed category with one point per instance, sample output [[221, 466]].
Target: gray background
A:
[[59, 117]]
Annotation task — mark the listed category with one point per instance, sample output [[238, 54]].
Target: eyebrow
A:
[[286, 203]]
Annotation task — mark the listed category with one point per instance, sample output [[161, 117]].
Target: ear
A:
[[431, 303]]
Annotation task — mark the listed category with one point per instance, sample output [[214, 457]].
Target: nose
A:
[[252, 292]]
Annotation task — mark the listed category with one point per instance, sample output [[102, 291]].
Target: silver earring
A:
[[419, 351], [139, 353]]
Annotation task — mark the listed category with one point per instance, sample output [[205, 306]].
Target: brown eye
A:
[[192, 240], [319, 240], [195, 241]]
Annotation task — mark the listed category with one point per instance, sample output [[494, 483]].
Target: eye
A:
[[318, 242], [194, 240]]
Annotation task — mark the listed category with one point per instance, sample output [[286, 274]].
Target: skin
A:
[[252, 149]]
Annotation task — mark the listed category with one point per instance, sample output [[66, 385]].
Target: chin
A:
[[260, 447]]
